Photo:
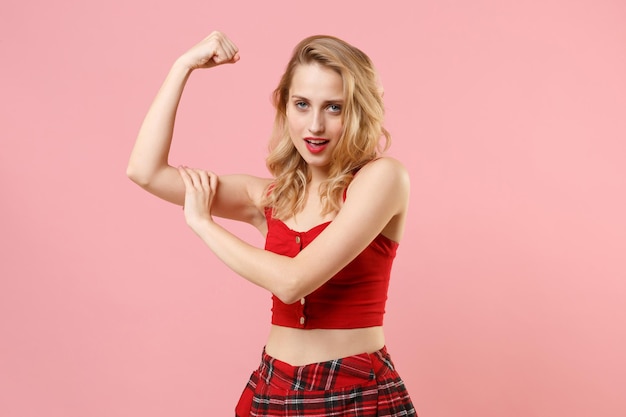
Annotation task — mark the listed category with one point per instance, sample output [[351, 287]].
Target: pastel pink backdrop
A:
[[507, 297]]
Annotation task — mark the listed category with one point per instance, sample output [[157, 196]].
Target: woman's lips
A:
[[316, 145]]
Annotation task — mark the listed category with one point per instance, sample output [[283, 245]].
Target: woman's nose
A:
[[317, 123]]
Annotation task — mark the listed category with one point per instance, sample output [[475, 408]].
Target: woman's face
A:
[[314, 112]]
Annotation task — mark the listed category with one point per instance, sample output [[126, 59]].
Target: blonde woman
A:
[[332, 213]]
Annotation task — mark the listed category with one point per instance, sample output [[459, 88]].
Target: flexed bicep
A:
[[148, 163]]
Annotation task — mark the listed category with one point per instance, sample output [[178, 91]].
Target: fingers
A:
[[186, 178], [234, 59], [225, 50], [190, 178], [212, 181], [200, 190], [215, 49], [228, 46], [198, 179]]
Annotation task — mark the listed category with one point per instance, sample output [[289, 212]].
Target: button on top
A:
[[298, 240], [302, 301]]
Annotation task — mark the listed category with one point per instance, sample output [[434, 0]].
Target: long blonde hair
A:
[[359, 143]]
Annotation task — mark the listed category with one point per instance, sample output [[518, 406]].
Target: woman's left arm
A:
[[378, 194]]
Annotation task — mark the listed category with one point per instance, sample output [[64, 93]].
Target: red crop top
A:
[[354, 298]]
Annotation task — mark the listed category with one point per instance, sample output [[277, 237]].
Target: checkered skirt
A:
[[365, 385]]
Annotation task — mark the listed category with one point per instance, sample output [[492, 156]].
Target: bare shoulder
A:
[[384, 171], [386, 162], [379, 196]]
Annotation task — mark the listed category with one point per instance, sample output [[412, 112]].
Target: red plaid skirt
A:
[[365, 385]]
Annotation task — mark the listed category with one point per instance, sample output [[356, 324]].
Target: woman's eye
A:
[[301, 104], [335, 108]]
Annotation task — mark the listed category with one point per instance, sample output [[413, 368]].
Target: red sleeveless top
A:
[[355, 297]]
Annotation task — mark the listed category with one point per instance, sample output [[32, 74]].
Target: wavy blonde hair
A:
[[359, 142]]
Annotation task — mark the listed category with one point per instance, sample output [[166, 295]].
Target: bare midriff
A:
[[304, 346]]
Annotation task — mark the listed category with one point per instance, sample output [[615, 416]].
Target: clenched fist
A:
[[215, 49]]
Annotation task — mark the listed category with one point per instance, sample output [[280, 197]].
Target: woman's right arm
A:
[[148, 165], [238, 195]]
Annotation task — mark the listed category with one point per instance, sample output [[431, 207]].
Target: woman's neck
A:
[[318, 175]]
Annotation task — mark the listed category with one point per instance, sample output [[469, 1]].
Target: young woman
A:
[[332, 213]]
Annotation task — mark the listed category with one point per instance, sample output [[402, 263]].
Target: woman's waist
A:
[[304, 346]]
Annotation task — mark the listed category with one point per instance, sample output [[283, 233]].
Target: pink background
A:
[[508, 294]]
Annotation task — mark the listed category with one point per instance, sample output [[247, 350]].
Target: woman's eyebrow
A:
[[331, 101]]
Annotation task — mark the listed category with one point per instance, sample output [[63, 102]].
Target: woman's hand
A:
[[200, 189], [215, 49]]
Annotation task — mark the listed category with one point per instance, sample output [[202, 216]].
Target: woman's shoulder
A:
[[387, 175], [381, 190], [386, 168]]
